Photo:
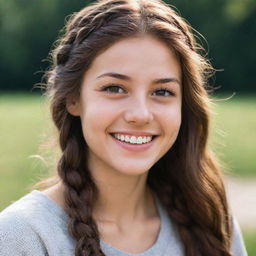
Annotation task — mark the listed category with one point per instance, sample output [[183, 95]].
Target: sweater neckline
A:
[[155, 249]]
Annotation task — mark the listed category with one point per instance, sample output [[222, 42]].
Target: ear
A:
[[73, 107]]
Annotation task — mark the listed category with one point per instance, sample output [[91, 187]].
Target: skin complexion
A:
[[132, 92], [110, 105]]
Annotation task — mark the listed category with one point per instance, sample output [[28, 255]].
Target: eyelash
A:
[[104, 88]]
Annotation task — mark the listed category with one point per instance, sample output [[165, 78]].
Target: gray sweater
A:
[[36, 225]]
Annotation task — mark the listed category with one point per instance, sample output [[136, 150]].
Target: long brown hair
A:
[[187, 179]]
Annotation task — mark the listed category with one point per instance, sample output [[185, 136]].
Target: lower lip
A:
[[134, 147]]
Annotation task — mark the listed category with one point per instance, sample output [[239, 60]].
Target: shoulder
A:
[[33, 209], [237, 242], [19, 212], [30, 225], [17, 236]]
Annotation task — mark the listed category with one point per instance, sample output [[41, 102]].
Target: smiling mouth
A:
[[133, 140]]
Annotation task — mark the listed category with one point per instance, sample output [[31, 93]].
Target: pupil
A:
[[114, 89], [162, 92]]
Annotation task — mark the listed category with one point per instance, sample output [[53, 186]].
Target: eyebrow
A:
[[127, 78]]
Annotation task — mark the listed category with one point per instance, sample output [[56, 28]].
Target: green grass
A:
[[25, 124], [234, 134], [249, 239], [21, 129]]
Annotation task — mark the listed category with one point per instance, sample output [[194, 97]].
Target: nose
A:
[[138, 112]]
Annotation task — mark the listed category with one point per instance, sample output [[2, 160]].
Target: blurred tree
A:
[[229, 27], [28, 28]]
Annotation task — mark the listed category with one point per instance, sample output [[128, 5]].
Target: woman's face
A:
[[131, 92]]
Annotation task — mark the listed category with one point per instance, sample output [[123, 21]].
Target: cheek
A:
[[171, 124], [97, 116], [172, 117]]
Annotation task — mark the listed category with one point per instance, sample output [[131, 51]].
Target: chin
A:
[[132, 170]]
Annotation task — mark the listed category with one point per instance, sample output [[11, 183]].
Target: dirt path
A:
[[242, 198]]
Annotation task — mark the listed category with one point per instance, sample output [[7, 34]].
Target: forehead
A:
[[137, 56]]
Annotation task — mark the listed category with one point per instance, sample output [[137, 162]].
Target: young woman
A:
[[136, 176]]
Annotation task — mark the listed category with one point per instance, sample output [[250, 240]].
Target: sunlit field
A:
[[234, 133], [25, 124]]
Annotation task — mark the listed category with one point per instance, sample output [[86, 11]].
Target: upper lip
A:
[[136, 133]]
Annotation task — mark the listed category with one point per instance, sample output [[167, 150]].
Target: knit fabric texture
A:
[[36, 225]]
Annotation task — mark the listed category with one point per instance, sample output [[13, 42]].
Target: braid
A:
[[80, 190], [79, 28]]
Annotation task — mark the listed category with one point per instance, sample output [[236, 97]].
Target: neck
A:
[[122, 198]]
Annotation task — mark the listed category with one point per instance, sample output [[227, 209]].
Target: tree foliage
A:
[[28, 29]]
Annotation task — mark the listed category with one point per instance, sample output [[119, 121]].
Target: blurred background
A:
[[27, 32]]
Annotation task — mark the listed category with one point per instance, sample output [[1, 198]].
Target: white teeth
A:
[[133, 139], [126, 138], [139, 140]]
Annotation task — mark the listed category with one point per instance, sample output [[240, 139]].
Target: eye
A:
[[164, 92], [112, 88]]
